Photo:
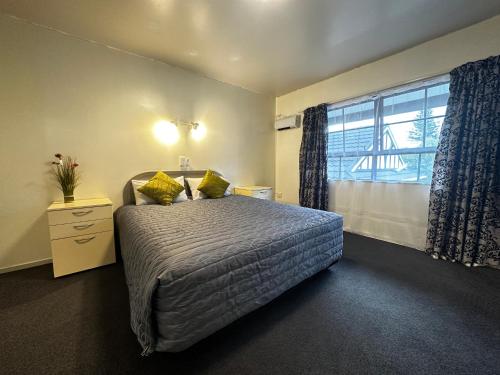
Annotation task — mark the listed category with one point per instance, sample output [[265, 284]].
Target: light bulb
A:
[[166, 132], [198, 131]]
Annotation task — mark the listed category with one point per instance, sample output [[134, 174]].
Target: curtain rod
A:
[[371, 93]]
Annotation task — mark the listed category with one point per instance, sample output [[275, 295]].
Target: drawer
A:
[[262, 194], [80, 228], [76, 215], [80, 253]]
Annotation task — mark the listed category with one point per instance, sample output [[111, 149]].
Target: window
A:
[[391, 136]]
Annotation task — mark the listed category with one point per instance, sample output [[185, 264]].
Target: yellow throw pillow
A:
[[162, 188], [212, 185]]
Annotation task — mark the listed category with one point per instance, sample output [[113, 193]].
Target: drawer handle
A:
[[81, 213], [82, 227], [81, 241]]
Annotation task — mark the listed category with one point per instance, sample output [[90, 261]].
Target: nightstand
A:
[[261, 192], [81, 235]]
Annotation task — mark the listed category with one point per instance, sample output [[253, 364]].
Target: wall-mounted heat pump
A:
[[289, 122]]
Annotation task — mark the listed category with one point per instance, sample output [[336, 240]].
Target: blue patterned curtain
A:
[[465, 190], [313, 190]]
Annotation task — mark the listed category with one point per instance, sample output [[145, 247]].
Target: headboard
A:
[[128, 191]]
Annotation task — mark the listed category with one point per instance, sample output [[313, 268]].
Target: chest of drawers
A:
[[81, 235]]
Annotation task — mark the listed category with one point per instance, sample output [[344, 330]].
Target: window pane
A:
[[358, 127], [335, 120], [336, 129], [335, 142], [351, 128], [404, 135], [426, 165], [356, 168], [360, 139], [437, 98], [432, 131], [359, 115], [404, 107], [397, 168]]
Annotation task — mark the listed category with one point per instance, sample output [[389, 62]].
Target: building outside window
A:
[[388, 136]]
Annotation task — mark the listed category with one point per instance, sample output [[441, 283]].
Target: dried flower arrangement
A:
[[66, 175]]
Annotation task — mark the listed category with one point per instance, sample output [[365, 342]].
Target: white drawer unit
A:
[[80, 228], [261, 192], [81, 235], [75, 215]]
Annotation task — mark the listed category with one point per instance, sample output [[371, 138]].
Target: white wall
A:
[[393, 212], [62, 94]]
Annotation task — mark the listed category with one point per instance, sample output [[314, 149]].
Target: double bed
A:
[[194, 267]]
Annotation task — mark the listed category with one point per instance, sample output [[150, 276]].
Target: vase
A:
[[68, 197]]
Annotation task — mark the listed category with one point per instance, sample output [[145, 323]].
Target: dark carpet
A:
[[384, 309]]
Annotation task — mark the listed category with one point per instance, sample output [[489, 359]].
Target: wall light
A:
[[198, 131], [166, 132]]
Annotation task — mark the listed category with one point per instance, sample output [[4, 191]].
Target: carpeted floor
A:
[[384, 309]]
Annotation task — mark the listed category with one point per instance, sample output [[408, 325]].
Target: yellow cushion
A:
[[212, 185], [162, 188]]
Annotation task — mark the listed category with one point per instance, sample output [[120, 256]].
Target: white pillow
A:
[[196, 194], [182, 197], [193, 186], [141, 199], [229, 189]]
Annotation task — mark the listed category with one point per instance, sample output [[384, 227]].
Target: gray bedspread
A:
[[196, 266]]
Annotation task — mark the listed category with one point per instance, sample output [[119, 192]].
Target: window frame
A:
[[378, 128]]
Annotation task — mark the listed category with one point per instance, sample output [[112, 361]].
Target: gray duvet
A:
[[196, 266]]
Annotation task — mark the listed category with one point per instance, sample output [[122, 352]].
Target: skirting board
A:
[[382, 238], [25, 265]]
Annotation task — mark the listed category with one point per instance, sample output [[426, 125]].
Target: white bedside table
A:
[[261, 192], [81, 235]]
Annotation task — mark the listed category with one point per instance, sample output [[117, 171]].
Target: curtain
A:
[[313, 189], [464, 197]]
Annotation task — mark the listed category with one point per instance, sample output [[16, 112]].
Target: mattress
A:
[[196, 266]]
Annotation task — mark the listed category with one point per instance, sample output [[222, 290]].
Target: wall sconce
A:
[[198, 131], [168, 133]]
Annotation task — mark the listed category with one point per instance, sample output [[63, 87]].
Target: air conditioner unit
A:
[[289, 122]]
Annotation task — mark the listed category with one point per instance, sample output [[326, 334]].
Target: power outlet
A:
[[182, 162], [279, 195]]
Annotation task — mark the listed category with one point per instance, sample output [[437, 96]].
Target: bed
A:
[[194, 267]]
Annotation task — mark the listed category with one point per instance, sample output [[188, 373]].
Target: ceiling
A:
[[267, 46]]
